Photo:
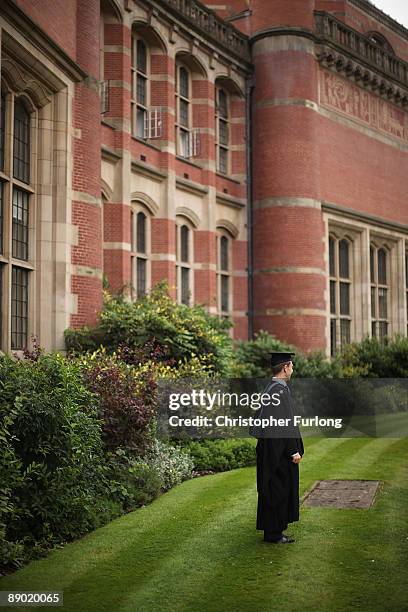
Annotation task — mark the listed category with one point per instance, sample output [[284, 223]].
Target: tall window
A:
[[379, 291], [16, 193], [222, 131], [140, 86], [340, 292], [183, 111], [184, 245], [406, 286], [139, 252], [224, 275]]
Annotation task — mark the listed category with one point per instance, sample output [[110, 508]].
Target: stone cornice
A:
[[342, 49], [380, 16], [200, 18], [18, 19]]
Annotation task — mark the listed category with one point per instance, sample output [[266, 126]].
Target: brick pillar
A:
[[86, 197], [289, 276]]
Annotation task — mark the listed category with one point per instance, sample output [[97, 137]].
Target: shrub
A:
[[52, 471], [374, 359], [125, 400], [133, 482], [221, 455], [252, 359], [180, 331], [173, 464]]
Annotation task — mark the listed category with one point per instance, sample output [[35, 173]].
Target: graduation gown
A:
[[277, 475]]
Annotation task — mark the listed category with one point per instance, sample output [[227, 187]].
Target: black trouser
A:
[[274, 536]]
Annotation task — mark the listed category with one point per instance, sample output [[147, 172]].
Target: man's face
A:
[[288, 369]]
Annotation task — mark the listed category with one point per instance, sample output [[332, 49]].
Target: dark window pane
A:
[[184, 144], [141, 232], [185, 286], [1, 218], [344, 271], [2, 129], [344, 298], [183, 116], [184, 250], [141, 276], [224, 293], [222, 104], [223, 161], [21, 142], [382, 303], [141, 56], [140, 122], [1, 306], [373, 302], [372, 269], [141, 82], [223, 132], [183, 82], [374, 329], [383, 329], [132, 232], [382, 267], [344, 331], [331, 257], [19, 308], [333, 297], [333, 337], [224, 253], [20, 224]]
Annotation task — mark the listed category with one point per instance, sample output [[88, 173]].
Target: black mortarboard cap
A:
[[278, 358]]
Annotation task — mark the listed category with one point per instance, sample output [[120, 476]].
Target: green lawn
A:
[[196, 549]]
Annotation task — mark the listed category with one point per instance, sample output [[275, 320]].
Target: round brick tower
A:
[[289, 278], [86, 181]]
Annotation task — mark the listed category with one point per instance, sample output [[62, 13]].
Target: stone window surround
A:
[[182, 220], [9, 184], [227, 121], [28, 71], [224, 233], [339, 234], [178, 127], [133, 84], [137, 207], [363, 234]]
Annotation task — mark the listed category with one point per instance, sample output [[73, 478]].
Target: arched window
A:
[[183, 122], [16, 222], [140, 95], [379, 291], [140, 252], [224, 289], [21, 142], [340, 292], [222, 130], [184, 261]]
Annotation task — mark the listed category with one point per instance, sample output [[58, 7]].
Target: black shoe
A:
[[285, 540]]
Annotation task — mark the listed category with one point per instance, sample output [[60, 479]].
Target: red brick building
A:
[[253, 153]]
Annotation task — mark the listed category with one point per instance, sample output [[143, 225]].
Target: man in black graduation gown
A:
[[278, 459]]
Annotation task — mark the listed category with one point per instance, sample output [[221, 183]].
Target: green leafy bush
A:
[[173, 464], [180, 331], [52, 470], [252, 359], [221, 455], [374, 359]]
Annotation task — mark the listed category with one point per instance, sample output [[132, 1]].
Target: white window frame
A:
[[184, 265], [227, 121], [221, 272], [135, 254]]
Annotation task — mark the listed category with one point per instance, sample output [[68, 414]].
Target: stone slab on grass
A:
[[342, 494]]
